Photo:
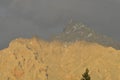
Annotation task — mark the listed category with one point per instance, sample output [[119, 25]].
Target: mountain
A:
[[36, 59], [75, 32]]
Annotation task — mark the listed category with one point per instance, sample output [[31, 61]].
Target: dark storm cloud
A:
[[25, 18]]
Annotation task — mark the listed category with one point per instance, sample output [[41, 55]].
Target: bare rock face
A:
[[18, 62], [33, 59]]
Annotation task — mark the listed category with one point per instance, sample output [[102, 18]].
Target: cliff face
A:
[[33, 59], [18, 62]]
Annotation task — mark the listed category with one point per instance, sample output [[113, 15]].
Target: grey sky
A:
[[26, 18]]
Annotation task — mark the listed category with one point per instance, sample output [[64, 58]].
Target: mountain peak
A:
[[75, 27], [75, 32], [81, 29]]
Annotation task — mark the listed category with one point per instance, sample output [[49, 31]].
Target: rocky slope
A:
[[74, 32], [34, 59]]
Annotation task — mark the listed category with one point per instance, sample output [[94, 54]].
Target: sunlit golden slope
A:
[[33, 59]]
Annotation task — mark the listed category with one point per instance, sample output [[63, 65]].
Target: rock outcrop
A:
[[33, 59], [19, 62]]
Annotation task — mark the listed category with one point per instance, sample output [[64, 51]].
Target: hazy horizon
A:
[[45, 18]]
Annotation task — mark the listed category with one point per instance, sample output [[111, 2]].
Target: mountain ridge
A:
[[79, 31], [34, 59]]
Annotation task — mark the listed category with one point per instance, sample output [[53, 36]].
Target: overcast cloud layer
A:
[[26, 18]]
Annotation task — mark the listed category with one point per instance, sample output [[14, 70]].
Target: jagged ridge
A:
[[74, 32], [33, 59]]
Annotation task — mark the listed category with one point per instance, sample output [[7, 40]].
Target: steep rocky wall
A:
[[19, 63], [33, 59]]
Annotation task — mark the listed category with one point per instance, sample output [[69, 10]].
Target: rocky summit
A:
[[75, 32], [36, 59]]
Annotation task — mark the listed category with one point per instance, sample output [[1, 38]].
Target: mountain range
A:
[[66, 57], [36, 59]]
